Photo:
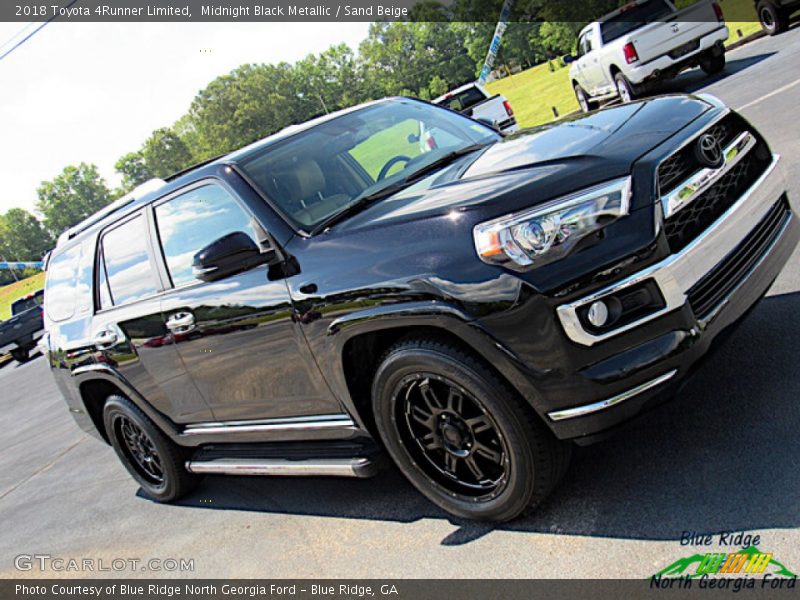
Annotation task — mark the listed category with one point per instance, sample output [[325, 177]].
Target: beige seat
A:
[[304, 185]]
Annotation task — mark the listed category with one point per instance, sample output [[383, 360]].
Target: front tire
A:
[[460, 435], [773, 19], [154, 461]]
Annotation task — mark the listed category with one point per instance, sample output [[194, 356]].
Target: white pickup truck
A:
[[643, 42], [474, 101]]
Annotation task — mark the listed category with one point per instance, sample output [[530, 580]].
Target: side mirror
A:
[[569, 58], [489, 123], [227, 255]]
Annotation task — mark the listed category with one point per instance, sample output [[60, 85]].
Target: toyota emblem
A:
[[708, 151]]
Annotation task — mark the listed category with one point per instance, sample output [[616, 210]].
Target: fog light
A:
[[598, 313]]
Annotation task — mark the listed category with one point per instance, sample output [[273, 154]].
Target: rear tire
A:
[[154, 461], [774, 20], [713, 64], [625, 89], [584, 102], [460, 435], [21, 355]]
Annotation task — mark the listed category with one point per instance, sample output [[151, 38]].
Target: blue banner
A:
[[18, 266]]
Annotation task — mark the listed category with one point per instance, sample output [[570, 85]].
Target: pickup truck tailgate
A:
[[677, 34]]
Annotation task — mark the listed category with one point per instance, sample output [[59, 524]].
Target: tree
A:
[[245, 105], [163, 154], [71, 197], [23, 236], [133, 169]]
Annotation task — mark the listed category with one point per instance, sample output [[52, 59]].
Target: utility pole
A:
[[497, 38]]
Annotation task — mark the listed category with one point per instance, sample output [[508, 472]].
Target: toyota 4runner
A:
[[471, 308]]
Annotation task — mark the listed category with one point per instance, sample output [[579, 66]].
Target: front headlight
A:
[[550, 232]]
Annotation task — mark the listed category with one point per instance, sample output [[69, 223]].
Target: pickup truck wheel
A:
[[153, 460], [625, 89], [773, 19], [713, 64], [21, 355], [460, 435], [583, 99]]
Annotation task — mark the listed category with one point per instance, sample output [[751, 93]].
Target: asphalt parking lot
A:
[[724, 456]]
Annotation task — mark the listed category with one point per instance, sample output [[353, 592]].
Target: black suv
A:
[[399, 277]]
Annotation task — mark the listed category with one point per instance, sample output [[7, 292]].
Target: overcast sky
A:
[[93, 91]]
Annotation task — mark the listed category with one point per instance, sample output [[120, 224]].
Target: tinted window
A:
[[633, 18], [464, 100], [190, 222], [127, 264], [27, 303]]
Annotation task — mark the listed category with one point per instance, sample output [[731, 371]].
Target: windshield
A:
[[634, 17], [317, 173]]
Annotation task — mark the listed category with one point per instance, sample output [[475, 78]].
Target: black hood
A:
[[536, 165]]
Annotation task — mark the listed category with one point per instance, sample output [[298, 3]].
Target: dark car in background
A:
[[471, 307], [19, 334], [775, 15]]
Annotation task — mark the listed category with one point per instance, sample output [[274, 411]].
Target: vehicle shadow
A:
[[717, 458], [695, 80]]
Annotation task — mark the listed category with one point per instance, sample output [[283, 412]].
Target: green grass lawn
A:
[[533, 93], [9, 293]]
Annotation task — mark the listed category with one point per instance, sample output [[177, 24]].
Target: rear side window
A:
[[189, 222], [124, 264], [60, 286], [464, 100]]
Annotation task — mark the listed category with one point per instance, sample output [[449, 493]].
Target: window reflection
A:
[[128, 270], [190, 222]]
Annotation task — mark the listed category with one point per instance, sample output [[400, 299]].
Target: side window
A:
[[589, 41], [60, 285], [124, 264], [189, 222], [581, 45]]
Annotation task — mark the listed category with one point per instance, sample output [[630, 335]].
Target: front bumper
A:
[[637, 376]]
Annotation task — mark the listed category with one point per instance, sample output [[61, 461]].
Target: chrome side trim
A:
[[333, 467], [702, 180], [313, 423], [677, 273], [579, 411]]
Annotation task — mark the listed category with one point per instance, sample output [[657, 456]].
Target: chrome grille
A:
[[695, 196]]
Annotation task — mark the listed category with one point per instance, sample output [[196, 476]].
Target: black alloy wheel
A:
[[155, 461], [460, 434], [139, 449], [455, 439]]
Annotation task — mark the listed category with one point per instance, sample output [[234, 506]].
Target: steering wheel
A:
[[390, 163]]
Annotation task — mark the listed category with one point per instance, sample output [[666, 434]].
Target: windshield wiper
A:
[[361, 201]]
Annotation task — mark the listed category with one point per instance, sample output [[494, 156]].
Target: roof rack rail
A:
[[197, 165], [140, 190]]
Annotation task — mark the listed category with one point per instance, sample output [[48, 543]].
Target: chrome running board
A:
[[317, 467]]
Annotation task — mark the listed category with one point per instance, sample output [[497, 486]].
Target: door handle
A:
[[180, 321], [105, 339], [309, 288]]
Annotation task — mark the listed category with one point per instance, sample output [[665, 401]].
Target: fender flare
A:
[[433, 314], [104, 372]]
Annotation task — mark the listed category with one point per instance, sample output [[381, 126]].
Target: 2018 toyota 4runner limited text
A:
[[338, 291]]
